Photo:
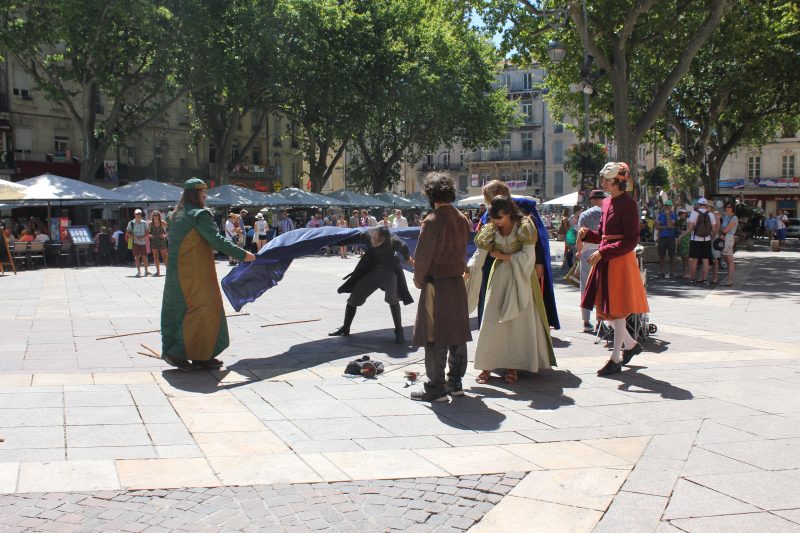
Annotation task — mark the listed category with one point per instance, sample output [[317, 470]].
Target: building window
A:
[[235, 151], [505, 175], [462, 182], [505, 146], [507, 80], [484, 154], [462, 158], [446, 160], [278, 169], [429, 160], [558, 182], [527, 113], [293, 170], [212, 153], [527, 175], [255, 120], [256, 155], [131, 155], [558, 128], [754, 167], [527, 144], [787, 166], [527, 81], [61, 143], [558, 152]]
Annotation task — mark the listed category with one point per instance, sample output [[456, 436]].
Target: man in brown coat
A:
[[442, 322]]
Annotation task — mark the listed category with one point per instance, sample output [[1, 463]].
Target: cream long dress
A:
[[512, 334]]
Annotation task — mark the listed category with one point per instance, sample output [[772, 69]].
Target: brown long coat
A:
[[440, 260]]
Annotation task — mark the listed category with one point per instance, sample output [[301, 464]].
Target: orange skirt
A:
[[623, 293]]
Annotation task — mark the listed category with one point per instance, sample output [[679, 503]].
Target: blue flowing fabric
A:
[[248, 281], [528, 206]]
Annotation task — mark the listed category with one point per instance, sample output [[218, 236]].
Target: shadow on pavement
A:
[[634, 382]]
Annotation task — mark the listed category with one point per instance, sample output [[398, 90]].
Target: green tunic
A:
[[193, 324]]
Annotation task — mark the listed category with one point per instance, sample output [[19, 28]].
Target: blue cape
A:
[[528, 207], [248, 281]]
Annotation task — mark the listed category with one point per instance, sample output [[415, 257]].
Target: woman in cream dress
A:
[[513, 334]]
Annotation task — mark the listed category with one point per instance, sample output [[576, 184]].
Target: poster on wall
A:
[[63, 224], [55, 233], [517, 185], [110, 171], [474, 181]]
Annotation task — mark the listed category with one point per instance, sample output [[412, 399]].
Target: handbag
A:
[[571, 237], [719, 244], [573, 277]]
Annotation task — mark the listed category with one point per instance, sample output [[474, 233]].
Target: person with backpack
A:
[[702, 226]]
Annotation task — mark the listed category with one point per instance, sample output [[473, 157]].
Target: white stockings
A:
[[622, 339]]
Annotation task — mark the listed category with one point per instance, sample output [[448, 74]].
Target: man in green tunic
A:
[[193, 325]]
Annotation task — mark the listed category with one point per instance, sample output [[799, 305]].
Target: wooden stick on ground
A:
[[293, 322], [149, 349], [148, 355], [154, 330]]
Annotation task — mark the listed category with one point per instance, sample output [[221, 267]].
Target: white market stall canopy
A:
[[156, 192], [394, 200], [236, 196], [51, 189], [11, 191], [355, 199], [471, 201], [292, 197], [567, 199]]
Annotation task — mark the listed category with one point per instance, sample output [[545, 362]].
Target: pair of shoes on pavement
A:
[[452, 388], [588, 327], [612, 367]]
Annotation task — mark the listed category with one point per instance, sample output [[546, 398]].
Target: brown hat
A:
[[597, 194]]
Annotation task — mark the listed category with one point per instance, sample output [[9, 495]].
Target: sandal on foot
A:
[[483, 377], [510, 377]]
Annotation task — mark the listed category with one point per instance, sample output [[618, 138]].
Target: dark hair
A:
[[440, 189], [504, 205], [383, 232], [730, 204], [192, 197]]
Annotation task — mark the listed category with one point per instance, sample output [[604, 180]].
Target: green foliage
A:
[[326, 78], [742, 94], [230, 58], [78, 51], [582, 158], [429, 82], [656, 178], [685, 178], [643, 48]]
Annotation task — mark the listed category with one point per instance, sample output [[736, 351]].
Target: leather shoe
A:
[[627, 355], [341, 332], [610, 368], [206, 365], [180, 364]]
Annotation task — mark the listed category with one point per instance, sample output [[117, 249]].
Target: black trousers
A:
[[437, 359], [377, 278]]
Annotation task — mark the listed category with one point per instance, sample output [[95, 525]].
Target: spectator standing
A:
[[666, 238], [589, 219], [262, 229], [770, 225], [233, 233], [780, 228], [728, 232], [682, 238], [399, 220], [314, 222], [286, 224], [342, 223], [158, 240], [137, 231], [702, 228]]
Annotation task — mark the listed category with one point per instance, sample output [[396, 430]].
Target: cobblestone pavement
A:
[[444, 504]]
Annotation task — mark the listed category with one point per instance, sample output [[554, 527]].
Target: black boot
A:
[[349, 313], [399, 338]]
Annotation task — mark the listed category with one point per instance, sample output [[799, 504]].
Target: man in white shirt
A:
[[399, 220], [703, 226], [41, 237], [780, 228]]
